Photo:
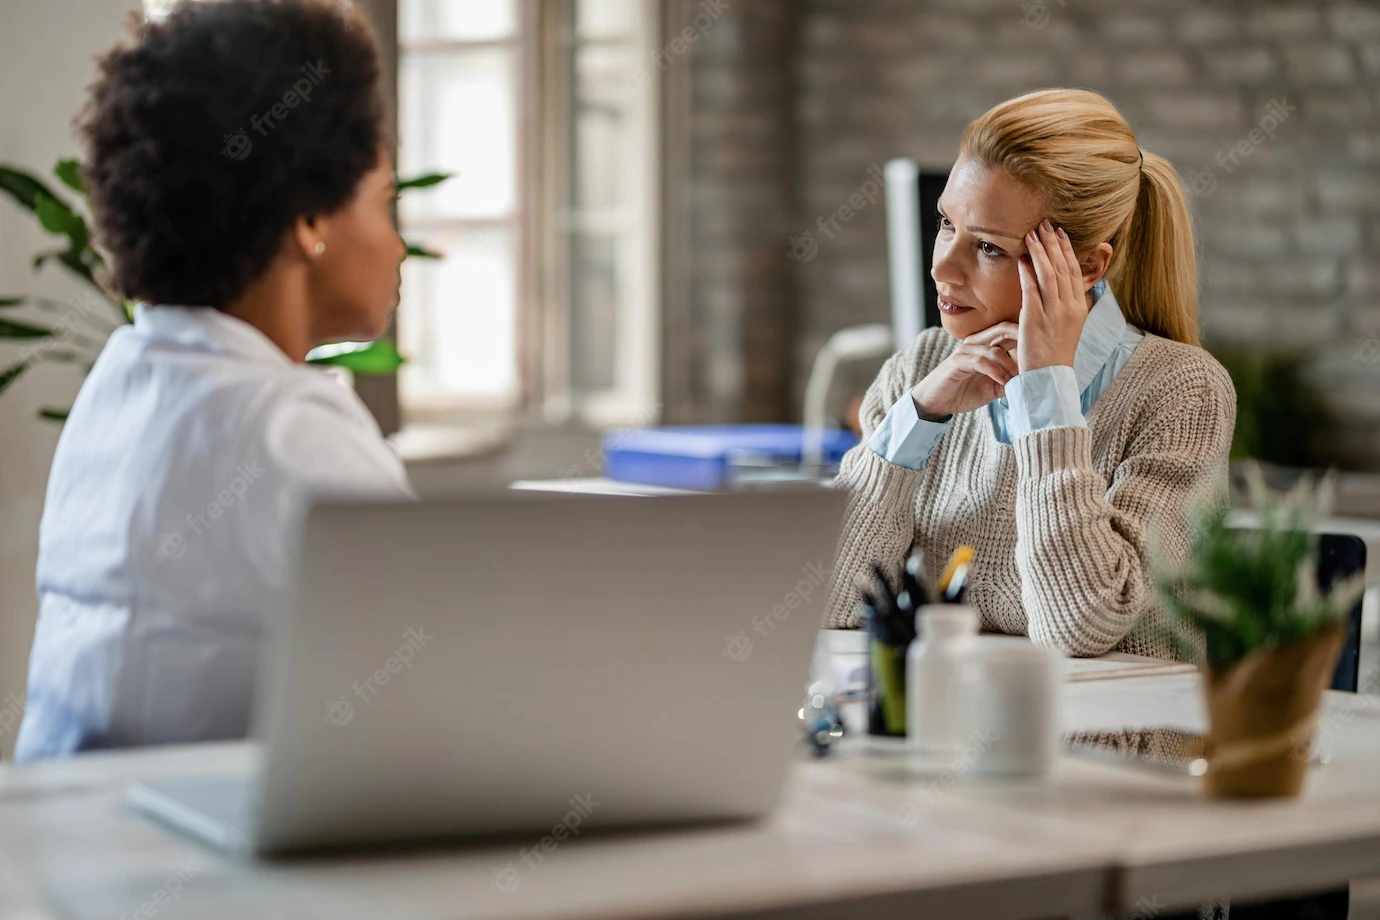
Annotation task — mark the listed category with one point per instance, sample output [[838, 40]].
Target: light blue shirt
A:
[[1047, 397]]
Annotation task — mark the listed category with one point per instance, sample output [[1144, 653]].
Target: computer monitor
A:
[[912, 201]]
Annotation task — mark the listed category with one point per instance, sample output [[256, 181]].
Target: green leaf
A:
[[415, 251], [69, 171], [425, 181], [53, 415], [55, 216], [376, 358], [10, 375], [23, 187], [10, 329]]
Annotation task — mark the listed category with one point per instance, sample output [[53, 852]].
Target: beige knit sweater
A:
[[1063, 520]]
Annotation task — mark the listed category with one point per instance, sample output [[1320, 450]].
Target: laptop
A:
[[497, 665]]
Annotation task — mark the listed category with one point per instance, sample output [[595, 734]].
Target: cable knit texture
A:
[[1064, 521]]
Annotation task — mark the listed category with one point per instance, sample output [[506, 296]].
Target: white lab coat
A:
[[167, 536]]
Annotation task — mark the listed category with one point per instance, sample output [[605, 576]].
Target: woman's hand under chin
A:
[[973, 375], [1054, 304]]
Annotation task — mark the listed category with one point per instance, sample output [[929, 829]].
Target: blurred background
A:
[[660, 211]]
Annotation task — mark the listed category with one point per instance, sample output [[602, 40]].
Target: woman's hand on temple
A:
[[1054, 304], [973, 375]]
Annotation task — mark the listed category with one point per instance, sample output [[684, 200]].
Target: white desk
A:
[[852, 836]]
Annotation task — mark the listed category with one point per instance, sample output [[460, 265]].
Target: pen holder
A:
[[886, 689]]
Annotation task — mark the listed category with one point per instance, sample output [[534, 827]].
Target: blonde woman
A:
[[1065, 415]]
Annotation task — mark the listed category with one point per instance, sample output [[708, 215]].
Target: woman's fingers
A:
[[1030, 290], [994, 353], [1075, 271], [1045, 273], [985, 363], [1005, 331]]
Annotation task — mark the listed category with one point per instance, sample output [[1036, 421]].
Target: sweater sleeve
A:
[[1083, 544], [879, 525]]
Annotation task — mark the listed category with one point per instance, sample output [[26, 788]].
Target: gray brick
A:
[[1349, 192], [1312, 64], [1370, 59], [1207, 26], [1156, 68], [1354, 21], [1285, 22], [1345, 108], [1328, 235], [1364, 279], [1134, 29], [1241, 65], [1196, 110], [945, 32], [1026, 71], [1231, 319], [1364, 147], [1250, 240]]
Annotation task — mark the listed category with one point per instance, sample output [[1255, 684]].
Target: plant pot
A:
[[1262, 711]]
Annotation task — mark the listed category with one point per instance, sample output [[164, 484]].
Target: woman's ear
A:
[[306, 233], [1094, 264]]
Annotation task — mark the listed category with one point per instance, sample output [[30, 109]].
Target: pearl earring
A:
[[320, 248]]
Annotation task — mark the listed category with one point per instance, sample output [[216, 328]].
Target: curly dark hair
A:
[[216, 129]]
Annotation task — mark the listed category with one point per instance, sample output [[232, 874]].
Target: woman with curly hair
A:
[[235, 158]]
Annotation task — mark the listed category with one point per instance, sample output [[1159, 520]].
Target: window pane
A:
[[594, 313], [458, 114], [458, 319], [605, 18], [602, 138], [469, 20]]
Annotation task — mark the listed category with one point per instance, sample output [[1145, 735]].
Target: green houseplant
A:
[[79, 329], [1270, 637]]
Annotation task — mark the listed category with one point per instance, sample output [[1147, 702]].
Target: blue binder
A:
[[709, 457]]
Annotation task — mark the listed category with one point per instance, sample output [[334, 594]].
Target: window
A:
[[547, 295]]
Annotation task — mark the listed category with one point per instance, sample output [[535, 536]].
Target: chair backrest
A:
[[1339, 557]]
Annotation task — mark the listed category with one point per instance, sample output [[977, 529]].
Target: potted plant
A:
[[80, 329], [1270, 639]]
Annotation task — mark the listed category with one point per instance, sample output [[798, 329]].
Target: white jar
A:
[[1012, 699], [936, 716]]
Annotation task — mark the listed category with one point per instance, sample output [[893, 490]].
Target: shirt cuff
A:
[[1046, 397], [904, 438]]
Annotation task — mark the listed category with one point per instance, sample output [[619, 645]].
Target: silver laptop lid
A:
[[498, 663]]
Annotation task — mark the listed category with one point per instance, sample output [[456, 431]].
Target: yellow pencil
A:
[[962, 556]]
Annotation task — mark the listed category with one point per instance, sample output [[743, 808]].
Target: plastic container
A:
[[936, 714]]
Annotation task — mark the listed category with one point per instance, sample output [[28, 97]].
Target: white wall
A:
[[47, 53]]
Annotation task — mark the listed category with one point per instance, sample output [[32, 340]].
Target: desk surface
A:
[[855, 832]]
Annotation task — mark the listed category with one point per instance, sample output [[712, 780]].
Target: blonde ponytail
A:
[[1156, 282], [1074, 148]]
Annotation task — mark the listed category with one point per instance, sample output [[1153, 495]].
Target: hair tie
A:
[[1142, 158]]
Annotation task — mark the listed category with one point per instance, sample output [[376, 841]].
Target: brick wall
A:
[[1289, 225]]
